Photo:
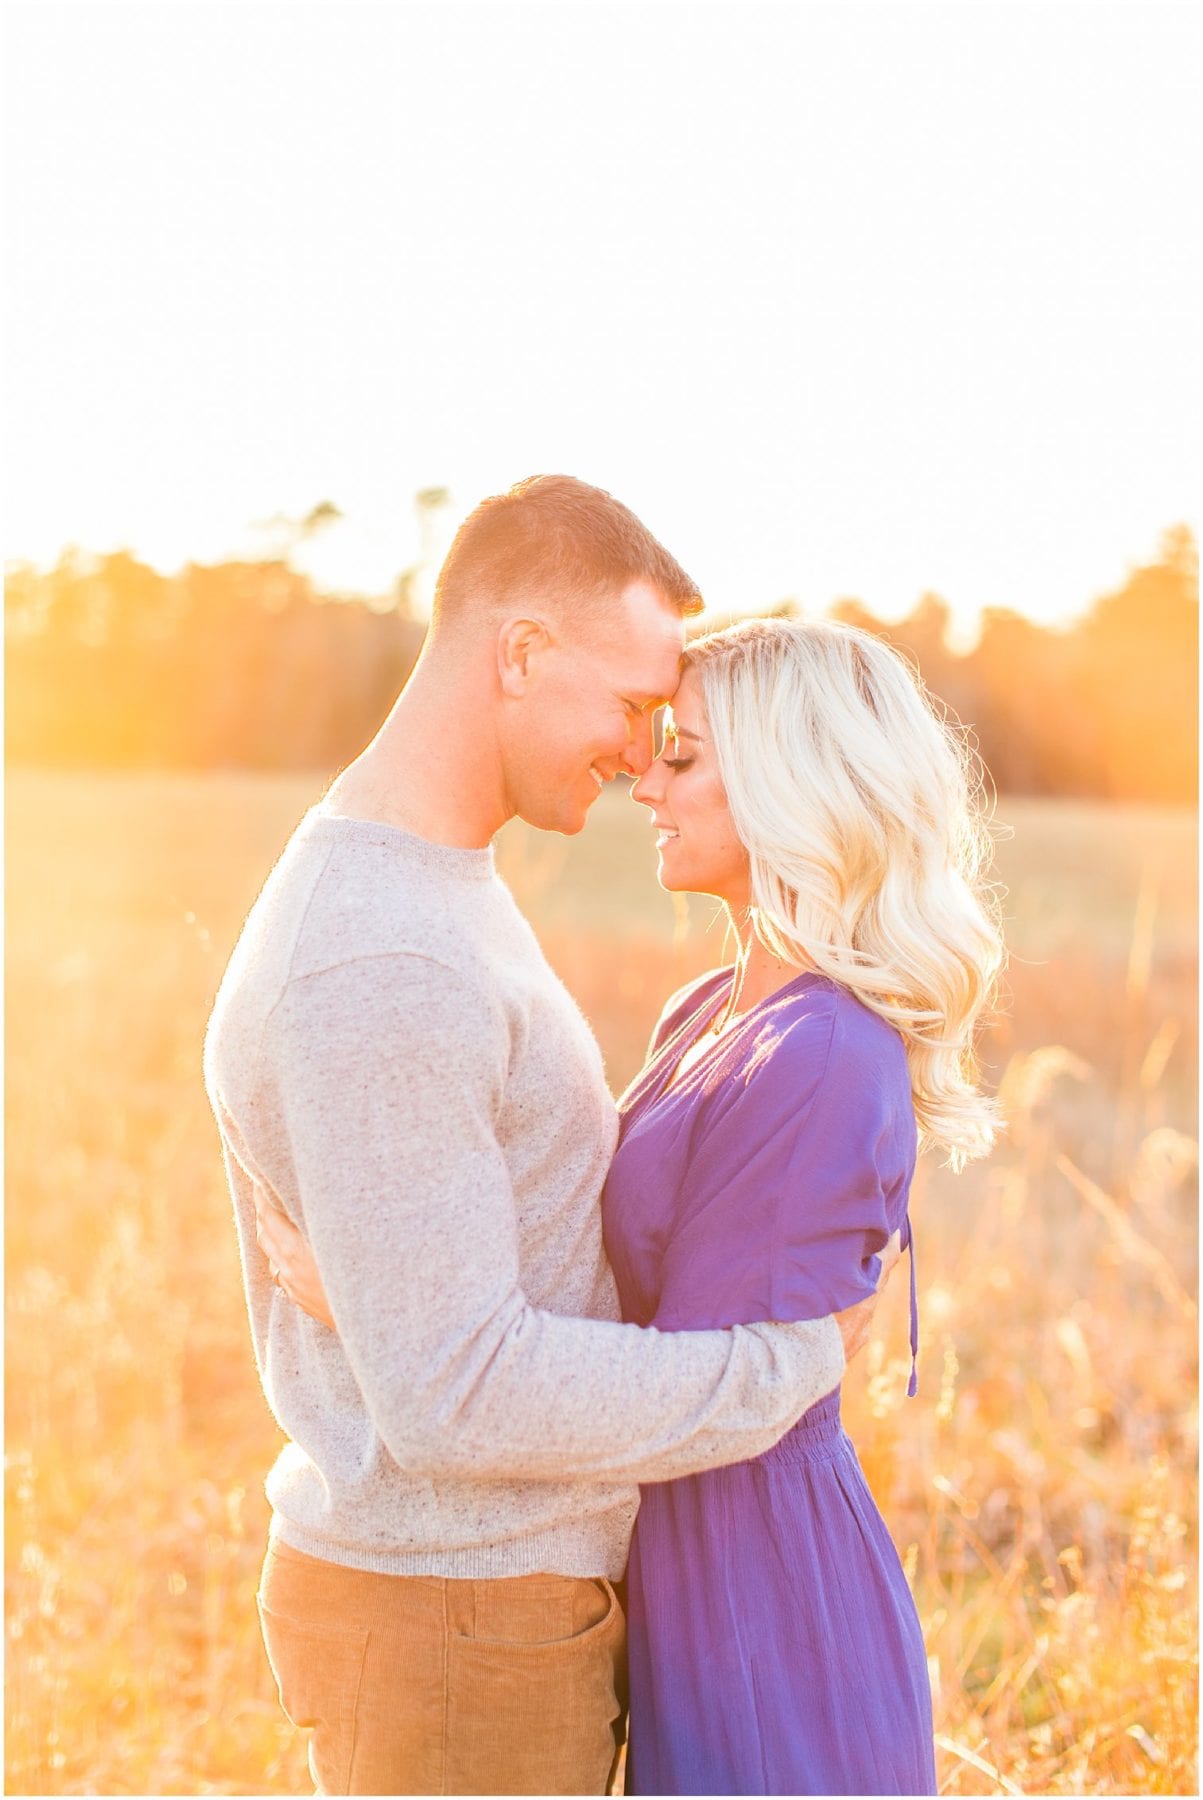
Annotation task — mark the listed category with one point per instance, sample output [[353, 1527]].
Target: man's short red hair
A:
[[553, 537]]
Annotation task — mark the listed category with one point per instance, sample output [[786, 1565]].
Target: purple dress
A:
[[774, 1644]]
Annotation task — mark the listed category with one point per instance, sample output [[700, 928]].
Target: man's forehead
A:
[[640, 663], [653, 680], [653, 646]]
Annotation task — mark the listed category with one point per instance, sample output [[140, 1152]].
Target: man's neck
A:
[[433, 768]]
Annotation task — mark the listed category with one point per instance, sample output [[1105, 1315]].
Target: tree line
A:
[[243, 665]]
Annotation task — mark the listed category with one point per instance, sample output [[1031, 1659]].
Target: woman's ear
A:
[[520, 645]]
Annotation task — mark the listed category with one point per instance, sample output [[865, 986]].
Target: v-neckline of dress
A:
[[679, 1045]]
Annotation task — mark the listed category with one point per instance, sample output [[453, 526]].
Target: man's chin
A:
[[568, 818]]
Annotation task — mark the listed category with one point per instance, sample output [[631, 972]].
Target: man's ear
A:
[[520, 645]]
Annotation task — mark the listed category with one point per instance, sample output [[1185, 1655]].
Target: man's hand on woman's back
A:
[[855, 1322]]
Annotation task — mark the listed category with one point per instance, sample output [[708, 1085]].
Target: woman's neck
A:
[[758, 973]]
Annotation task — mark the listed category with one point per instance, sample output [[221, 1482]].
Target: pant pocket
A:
[[535, 1609], [318, 1670], [537, 1716]]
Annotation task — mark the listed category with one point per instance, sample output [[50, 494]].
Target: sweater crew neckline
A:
[[444, 859]]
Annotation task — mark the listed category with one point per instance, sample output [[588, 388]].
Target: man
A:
[[392, 1061]]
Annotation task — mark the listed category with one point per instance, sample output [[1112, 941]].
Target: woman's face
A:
[[699, 850]]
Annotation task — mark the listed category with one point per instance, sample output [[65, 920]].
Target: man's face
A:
[[587, 714]]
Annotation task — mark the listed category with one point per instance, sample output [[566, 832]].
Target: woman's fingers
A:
[[289, 1259], [854, 1323], [275, 1236], [889, 1257]]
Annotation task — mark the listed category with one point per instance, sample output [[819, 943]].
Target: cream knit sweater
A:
[[392, 1058]]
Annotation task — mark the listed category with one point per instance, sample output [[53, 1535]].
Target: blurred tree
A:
[[283, 533], [26, 601], [1138, 674], [323, 514], [243, 665], [415, 585], [855, 612], [1010, 680], [430, 502]]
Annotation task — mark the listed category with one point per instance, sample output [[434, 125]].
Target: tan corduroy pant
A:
[[412, 1684]]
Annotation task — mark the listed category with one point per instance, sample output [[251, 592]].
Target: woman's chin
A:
[[668, 879]]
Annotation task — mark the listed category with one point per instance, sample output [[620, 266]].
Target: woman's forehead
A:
[[684, 716]]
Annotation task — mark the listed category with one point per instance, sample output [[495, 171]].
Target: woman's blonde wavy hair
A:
[[864, 817]]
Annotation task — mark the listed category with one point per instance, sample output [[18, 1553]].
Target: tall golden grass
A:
[[1040, 1488]]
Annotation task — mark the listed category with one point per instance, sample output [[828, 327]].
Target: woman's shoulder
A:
[[820, 1025]]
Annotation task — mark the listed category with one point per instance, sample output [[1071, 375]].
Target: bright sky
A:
[[843, 299]]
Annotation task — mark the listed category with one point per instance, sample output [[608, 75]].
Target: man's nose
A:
[[648, 790], [641, 749]]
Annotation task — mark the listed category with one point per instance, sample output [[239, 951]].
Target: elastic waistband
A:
[[817, 1437]]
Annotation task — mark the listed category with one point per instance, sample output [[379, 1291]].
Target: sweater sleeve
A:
[[402, 1189]]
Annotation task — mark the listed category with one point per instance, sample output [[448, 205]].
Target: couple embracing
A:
[[497, 1315]]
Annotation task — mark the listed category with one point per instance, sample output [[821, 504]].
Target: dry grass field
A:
[[1040, 1488]]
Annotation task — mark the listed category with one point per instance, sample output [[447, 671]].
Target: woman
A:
[[765, 1161], [766, 1156]]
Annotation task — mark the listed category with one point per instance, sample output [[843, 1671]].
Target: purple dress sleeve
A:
[[798, 1174]]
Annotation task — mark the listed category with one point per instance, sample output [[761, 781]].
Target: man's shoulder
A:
[[350, 919], [369, 892]]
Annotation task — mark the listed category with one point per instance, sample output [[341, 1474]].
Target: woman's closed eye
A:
[[677, 763]]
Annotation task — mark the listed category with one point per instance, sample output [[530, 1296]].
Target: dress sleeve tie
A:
[[908, 1243]]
